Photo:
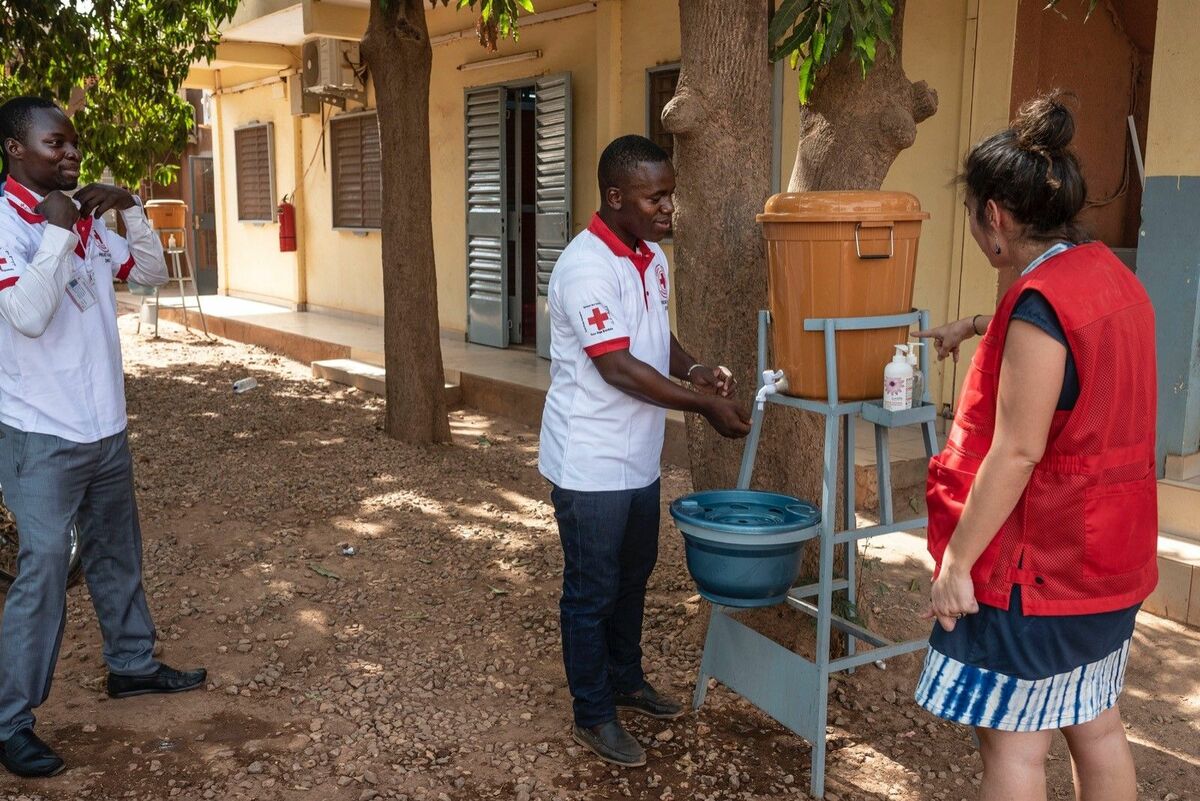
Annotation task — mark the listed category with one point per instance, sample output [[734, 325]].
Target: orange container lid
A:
[[165, 202], [850, 206]]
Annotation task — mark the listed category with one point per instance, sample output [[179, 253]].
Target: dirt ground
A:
[[426, 665]]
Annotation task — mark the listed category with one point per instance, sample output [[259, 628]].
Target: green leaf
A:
[[839, 18], [526, 6], [785, 16], [324, 571], [805, 84], [801, 35]]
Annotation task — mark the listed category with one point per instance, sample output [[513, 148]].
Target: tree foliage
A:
[[122, 63], [809, 33]]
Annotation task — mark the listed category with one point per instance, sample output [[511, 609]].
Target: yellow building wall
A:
[[343, 268], [568, 45], [607, 53], [251, 264], [1173, 138]]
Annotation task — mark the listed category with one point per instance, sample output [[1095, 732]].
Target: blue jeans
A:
[[610, 545]]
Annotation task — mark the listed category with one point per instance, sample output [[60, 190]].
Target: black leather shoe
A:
[[647, 701], [165, 680], [611, 743], [25, 755]]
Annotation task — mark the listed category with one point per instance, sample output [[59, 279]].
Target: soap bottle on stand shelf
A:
[[918, 381], [898, 382]]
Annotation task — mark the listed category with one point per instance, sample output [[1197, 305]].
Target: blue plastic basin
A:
[[743, 546]]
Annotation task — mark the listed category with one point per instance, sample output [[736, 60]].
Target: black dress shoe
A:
[[611, 743], [164, 680], [647, 701], [25, 755]]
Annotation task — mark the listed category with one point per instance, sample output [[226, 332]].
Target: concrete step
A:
[[1183, 468], [1177, 596], [367, 377], [1179, 509]]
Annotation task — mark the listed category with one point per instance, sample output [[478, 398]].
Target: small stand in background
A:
[[169, 218]]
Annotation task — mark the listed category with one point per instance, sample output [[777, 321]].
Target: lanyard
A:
[[1051, 252]]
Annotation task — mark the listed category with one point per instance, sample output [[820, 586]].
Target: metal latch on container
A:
[[891, 240]]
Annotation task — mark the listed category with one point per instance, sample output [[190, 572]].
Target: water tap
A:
[[773, 381]]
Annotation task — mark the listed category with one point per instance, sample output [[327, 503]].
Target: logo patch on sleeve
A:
[[596, 319]]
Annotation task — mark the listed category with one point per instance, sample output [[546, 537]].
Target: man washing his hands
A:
[[612, 356], [64, 457]]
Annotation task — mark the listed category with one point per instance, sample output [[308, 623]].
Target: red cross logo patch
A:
[[660, 278], [596, 319]]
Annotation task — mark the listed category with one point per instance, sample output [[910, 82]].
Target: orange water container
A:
[[838, 254], [168, 214]]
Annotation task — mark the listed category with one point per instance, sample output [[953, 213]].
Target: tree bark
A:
[[854, 128], [850, 135], [398, 52], [721, 119]]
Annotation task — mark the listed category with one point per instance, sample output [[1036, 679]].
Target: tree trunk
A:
[[397, 50], [850, 134], [721, 119], [854, 128]]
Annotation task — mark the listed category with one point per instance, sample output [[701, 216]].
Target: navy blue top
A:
[[1033, 308]]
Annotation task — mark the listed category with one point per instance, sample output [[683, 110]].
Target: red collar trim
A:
[[24, 201], [641, 259]]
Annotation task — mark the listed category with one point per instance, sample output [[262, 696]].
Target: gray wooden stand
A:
[[788, 687]]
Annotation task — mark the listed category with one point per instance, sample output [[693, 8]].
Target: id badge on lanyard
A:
[[82, 287]]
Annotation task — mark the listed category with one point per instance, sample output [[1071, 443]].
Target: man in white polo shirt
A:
[[64, 457], [612, 356]]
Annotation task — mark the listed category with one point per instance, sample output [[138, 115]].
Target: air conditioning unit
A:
[[331, 71]]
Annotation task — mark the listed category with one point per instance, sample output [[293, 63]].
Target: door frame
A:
[[510, 227], [194, 208]]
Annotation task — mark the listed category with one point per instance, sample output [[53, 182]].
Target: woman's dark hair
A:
[[1031, 170]]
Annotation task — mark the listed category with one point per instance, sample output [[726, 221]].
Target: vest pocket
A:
[[1120, 527], [946, 492]]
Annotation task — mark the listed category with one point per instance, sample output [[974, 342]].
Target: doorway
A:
[[518, 204], [520, 159], [204, 223]]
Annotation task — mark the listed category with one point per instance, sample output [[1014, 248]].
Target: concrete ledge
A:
[[294, 346], [1183, 468], [369, 378], [1179, 509], [1177, 596]]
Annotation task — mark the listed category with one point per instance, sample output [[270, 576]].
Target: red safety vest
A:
[[1083, 537]]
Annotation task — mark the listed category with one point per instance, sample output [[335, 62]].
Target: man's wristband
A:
[[975, 325], [688, 374]]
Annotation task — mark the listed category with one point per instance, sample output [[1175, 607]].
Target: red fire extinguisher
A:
[[287, 225]]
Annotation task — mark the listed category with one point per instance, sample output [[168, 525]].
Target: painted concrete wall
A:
[[1169, 251], [568, 45], [251, 263], [1103, 66]]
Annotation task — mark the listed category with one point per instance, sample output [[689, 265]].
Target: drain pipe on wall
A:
[[298, 199]]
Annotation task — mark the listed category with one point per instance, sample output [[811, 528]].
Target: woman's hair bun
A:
[[1045, 124]]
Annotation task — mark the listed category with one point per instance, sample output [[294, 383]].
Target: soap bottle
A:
[[918, 382], [897, 382]]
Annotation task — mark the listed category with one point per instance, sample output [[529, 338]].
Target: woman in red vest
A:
[[1043, 507]]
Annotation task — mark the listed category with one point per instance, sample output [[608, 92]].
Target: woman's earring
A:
[[996, 248]]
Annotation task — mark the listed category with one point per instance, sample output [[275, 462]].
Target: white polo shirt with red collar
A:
[[604, 297], [67, 380]]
